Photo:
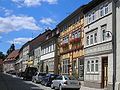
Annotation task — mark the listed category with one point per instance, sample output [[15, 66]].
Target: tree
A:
[[2, 56], [12, 48]]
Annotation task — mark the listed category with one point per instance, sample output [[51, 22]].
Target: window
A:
[[89, 18], [78, 34], [102, 11], [75, 34], [88, 66], [95, 37], [87, 40], [96, 66], [92, 66], [93, 16], [65, 66], [103, 32], [106, 9], [91, 39], [51, 47]]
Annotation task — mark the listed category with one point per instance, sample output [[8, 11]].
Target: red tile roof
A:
[[12, 56]]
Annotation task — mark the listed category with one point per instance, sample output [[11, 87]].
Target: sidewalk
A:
[[87, 88]]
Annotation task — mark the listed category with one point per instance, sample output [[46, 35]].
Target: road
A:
[[9, 82]]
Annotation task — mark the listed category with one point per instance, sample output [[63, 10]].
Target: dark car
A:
[[12, 72], [47, 80], [37, 78], [29, 72]]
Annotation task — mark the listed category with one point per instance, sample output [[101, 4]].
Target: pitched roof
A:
[[12, 56], [1, 61]]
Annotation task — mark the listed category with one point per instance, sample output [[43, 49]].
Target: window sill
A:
[[92, 73]]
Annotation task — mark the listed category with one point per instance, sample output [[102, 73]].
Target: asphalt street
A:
[[9, 82]]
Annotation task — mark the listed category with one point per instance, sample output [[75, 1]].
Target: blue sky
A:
[[22, 20]]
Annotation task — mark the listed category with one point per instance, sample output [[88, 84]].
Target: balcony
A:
[[75, 40], [64, 44], [72, 49]]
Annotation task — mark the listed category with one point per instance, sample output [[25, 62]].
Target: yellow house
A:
[[71, 44]]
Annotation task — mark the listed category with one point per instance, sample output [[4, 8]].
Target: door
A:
[[104, 72]]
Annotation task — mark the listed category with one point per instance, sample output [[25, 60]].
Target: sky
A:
[[23, 20]]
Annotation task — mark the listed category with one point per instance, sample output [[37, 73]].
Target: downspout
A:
[[114, 40]]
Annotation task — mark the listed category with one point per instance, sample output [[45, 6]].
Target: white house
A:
[[98, 44], [118, 45]]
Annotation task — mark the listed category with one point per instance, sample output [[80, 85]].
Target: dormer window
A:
[[106, 9], [102, 11], [93, 16], [89, 18]]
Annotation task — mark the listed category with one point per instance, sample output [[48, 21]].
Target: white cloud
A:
[[47, 21], [30, 3], [20, 41], [6, 11], [16, 23]]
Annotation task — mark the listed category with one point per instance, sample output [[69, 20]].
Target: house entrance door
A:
[[104, 72]]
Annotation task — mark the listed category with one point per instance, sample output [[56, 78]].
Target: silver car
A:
[[63, 82], [37, 78]]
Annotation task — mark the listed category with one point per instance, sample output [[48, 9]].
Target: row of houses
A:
[[80, 45]]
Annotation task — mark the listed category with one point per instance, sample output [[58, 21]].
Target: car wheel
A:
[[34, 81], [60, 87], [45, 84], [52, 87]]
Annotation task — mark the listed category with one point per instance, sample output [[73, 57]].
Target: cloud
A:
[[19, 41], [47, 21], [6, 11], [30, 3], [16, 23]]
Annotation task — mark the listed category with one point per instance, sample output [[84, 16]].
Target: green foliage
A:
[[12, 48], [2, 56]]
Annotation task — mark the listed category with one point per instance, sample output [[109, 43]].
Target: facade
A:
[[98, 63], [1, 65], [117, 45], [37, 54], [35, 50], [48, 57], [25, 55], [71, 44], [10, 61]]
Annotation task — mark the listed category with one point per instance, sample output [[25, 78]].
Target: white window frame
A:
[[106, 8], [101, 11], [92, 66], [89, 18]]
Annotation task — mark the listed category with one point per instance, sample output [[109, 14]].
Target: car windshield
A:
[[42, 74], [69, 78]]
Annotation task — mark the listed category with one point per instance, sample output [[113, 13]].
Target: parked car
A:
[[29, 72], [12, 72], [47, 80], [65, 82], [37, 78], [20, 74]]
